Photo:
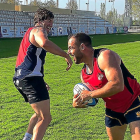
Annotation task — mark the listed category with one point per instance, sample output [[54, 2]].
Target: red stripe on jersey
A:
[[25, 43]]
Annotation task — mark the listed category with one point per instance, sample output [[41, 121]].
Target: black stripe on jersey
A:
[[126, 74], [98, 51]]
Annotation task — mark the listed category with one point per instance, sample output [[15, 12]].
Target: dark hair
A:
[[82, 38], [42, 14]]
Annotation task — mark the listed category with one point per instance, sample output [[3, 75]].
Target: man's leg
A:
[[135, 130], [133, 118], [116, 132], [42, 110], [32, 123], [116, 124]]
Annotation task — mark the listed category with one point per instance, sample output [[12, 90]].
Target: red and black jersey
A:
[[30, 59], [121, 101]]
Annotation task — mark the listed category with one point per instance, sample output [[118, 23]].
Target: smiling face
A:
[[48, 24], [44, 18], [74, 51]]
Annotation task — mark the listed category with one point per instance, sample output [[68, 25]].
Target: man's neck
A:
[[90, 59]]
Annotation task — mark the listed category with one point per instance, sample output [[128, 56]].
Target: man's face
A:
[[48, 24], [74, 51]]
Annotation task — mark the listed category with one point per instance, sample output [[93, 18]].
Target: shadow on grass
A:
[[9, 47]]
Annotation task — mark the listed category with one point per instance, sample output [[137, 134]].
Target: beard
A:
[[78, 59]]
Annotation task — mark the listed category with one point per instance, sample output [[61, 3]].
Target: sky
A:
[[118, 4]]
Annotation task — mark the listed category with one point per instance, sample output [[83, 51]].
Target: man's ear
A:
[[82, 46]]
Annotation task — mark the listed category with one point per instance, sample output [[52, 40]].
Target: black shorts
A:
[[33, 89], [113, 118]]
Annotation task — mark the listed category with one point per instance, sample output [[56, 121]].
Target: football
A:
[[85, 86]]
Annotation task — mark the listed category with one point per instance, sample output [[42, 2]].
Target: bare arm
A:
[[39, 38], [109, 62]]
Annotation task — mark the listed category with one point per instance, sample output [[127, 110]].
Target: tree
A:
[[3, 1], [36, 3], [102, 11], [50, 3], [114, 18], [16, 2], [72, 4], [109, 17], [136, 8]]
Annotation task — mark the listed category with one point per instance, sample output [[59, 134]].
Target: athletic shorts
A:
[[118, 119], [33, 89]]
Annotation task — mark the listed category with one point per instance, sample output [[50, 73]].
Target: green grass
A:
[[67, 123], [9, 47]]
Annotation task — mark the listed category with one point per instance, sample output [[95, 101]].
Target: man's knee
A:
[[42, 110], [135, 130], [34, 117], [45, 118]]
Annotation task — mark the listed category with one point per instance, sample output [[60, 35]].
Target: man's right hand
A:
[[77, 102], [69, 62]]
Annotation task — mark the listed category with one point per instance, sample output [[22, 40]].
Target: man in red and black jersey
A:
[[105, 72], [29, 72]]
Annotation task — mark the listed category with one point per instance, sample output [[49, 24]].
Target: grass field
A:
[[67, 123]]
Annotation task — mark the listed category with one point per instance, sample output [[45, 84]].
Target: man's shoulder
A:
[[35, 28], [109, 56], [30, 28], [39, 30], [97, 52], [106, 53]]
